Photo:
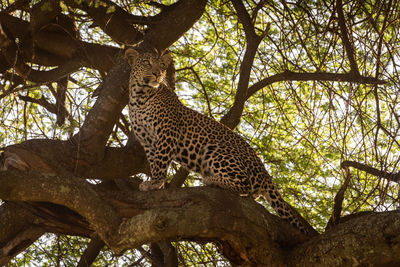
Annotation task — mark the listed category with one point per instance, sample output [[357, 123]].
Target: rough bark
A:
[[369, 240]]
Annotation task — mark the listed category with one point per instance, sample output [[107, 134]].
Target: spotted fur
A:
[[169, 131]]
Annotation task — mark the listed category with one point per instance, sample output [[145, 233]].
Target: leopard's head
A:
[[148, 68]]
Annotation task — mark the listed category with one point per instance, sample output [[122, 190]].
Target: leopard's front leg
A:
[[159, 157]]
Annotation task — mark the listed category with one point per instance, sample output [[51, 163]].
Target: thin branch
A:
[[204, 90], [346, 38], [393, 177], [44, 103], [15, 58], [157, 5], [258, 7], [61, 110], [338, 206], [19, 4], [232, 117], [316, 76], [54, 48]]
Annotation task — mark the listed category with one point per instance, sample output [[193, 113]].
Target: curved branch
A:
[[245, 19], [19, 242], [232, 117], [53, 108], [316, 76], [43, 13], [98, 125], [246, 232]]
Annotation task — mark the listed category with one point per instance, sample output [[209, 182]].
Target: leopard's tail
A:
[[286, 211]]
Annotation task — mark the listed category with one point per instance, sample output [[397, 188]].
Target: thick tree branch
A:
[[49, 156], [16, 231], [94, 133], [202, 213], [245, 20], [68, 191], [169, 254], [43, 13], [369, 240], [55, 48], [61, 110], [57, 219], [393, 177], [173, 22], [15, 59], [19, 242], [111, 19]]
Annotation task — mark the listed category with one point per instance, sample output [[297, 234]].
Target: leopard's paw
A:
[[151, 185]]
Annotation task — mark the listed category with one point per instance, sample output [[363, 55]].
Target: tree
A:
[[313, 86]]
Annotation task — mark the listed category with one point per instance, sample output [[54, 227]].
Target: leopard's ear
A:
[[166, 58], [131, 55]]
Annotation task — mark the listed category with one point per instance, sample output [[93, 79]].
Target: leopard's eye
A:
[[162, 64], [146, 62]]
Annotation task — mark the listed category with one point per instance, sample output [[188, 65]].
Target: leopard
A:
[[169, 131]]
